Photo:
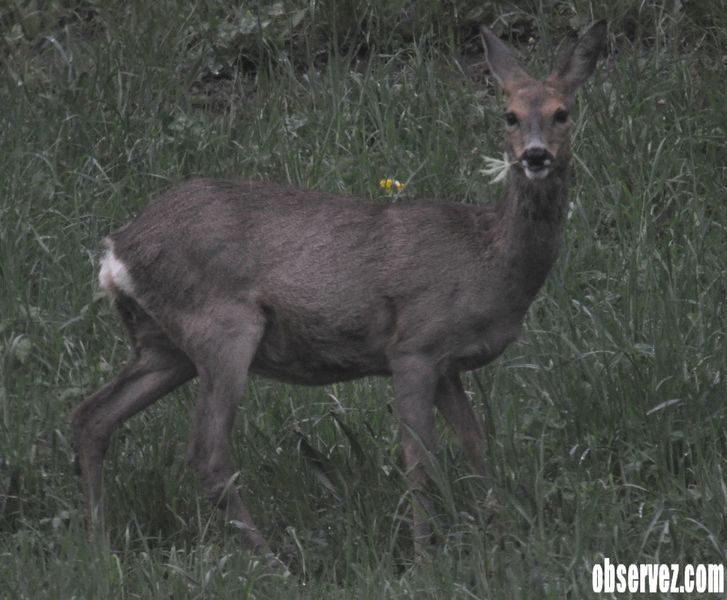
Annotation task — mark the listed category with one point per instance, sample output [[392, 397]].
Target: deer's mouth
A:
[[536, 172], [536, 162]]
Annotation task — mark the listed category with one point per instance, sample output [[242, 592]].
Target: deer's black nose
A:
[[536, 158]]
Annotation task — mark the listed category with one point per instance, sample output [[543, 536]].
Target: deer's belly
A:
[[319, 355], [306, 352]]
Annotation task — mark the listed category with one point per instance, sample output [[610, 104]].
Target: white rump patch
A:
[[113, 276]]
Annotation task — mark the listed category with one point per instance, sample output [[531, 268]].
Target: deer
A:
[[221, 278]]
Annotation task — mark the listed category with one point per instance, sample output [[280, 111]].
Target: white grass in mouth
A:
[[496, 168]]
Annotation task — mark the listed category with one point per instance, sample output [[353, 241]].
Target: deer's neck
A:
[[532, 213]]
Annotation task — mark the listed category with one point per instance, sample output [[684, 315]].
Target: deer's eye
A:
[[511, 119], [560, 116]]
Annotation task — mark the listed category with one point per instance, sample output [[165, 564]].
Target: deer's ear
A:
[[564, 52], [576, 60], [502, 62]]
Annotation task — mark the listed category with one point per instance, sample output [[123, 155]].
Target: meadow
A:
[[606, 420]]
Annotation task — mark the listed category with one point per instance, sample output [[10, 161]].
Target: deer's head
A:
[[537, 113]]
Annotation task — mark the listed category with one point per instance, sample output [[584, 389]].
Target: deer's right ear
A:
[[502, 62]]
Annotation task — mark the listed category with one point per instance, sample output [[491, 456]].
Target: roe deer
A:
[[218, 278]]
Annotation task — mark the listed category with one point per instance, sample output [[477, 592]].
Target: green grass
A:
[[607, 418]]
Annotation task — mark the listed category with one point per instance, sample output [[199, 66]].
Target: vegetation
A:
[[607, 419]]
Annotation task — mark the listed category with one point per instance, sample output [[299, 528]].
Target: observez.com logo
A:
[[609, 578]]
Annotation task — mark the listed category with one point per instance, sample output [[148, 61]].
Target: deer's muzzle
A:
[[536, 161]]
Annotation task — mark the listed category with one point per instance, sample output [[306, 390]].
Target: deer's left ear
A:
[[576, 61]]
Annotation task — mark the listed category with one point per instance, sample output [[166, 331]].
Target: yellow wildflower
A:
[[391, 185]]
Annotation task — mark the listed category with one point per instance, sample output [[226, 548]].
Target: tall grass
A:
[[606, 419]]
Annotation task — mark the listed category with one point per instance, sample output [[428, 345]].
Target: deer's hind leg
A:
[[226, 347], [155, 368]]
